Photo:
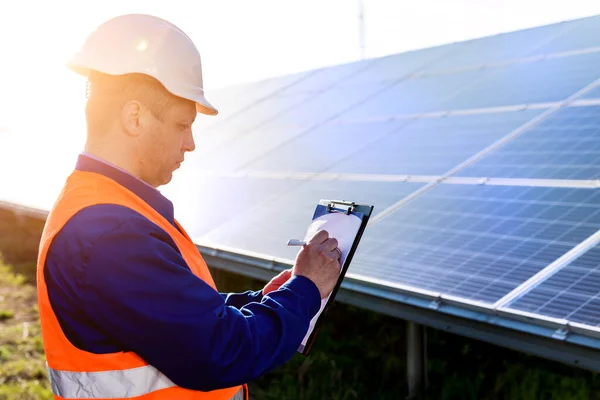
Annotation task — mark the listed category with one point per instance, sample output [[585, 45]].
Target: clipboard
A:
[[345, 214]]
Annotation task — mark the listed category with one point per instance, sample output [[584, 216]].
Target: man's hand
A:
[[318, 260], [277, 281]]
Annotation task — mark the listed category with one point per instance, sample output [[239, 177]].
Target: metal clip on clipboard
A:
[[331, 206]]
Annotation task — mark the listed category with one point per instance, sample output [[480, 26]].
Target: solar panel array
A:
[[480, 158]]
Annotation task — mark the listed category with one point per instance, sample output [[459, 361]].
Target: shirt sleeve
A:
[[239, 300], [139, 291]]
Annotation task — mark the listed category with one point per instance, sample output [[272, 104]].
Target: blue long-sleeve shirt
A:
[[117, 282]]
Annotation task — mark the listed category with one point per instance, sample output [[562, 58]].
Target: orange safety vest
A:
[[77, 374]]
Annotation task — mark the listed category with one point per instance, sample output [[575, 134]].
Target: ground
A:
[[22, 361], [358, 355]]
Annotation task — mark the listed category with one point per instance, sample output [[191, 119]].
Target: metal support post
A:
[[416, 359]]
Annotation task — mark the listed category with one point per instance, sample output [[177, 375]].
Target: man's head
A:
[[135, 121], [145, 87]]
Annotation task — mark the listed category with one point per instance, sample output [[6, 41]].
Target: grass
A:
[[6, 314], [358, 355], [22, 362], [361, 355]]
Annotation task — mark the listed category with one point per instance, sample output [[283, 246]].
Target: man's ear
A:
[[132, 117]]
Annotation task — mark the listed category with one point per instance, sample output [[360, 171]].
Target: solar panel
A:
[[205, 202], [415, 95], [542, 81], [244, 148], [325, 78], [246, 100], [432, 146], [235, 146], [572, 293], [394, 67], [583, 33], [331, 103], [283, 93], [320, 148], [266, 229], [497, 48], [565, 145], [256, 117], [232, 100], [477, 242], [249, 186]]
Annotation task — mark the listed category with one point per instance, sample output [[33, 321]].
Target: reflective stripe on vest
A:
[[118, 384]]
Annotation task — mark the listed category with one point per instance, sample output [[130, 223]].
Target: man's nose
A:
[[189, 144]]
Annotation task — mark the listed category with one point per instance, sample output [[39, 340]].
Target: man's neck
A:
[[97, 155]]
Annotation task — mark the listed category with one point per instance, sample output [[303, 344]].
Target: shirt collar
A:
[[89, 163]]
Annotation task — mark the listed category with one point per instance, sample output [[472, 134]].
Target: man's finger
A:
[[277, 281], [336, 254], [330, 244], [319, 237]]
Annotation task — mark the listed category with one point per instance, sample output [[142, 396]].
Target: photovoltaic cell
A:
[[572, 293], [477, 242], [266, 229], [543, 81], [566, 145], [432, 146]]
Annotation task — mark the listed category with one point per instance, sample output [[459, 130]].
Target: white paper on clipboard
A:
[[343, 227]]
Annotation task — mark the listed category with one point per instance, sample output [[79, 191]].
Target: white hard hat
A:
[[137, 43]]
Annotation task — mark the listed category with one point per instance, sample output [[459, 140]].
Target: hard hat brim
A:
[[203, 106]]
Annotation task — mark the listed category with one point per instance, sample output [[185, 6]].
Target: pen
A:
[[296, 242]]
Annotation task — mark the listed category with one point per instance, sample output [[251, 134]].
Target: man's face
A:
[[165, 141]]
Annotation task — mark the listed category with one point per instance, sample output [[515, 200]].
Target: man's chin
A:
[[166, 179]]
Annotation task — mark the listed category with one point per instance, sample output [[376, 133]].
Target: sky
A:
[[41, 102], [243, 40]]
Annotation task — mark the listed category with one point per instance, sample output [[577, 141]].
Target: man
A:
[[127, 304]]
